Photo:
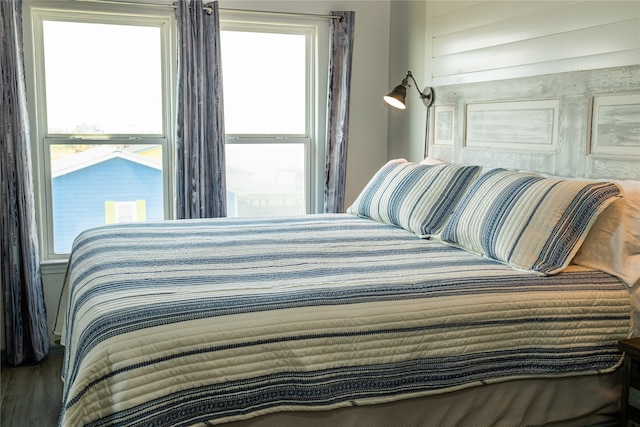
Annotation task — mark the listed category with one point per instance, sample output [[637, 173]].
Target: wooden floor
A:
[[31, 394]]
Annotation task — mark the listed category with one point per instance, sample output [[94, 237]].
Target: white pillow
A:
[[613, 243], [431, 161]]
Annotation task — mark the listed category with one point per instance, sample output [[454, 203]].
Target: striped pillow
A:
[[527, 221], [418, 198]]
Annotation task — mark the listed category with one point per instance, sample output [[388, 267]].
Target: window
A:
[[272, 89], [270, 71], [131, 211], [103, 83], [102, 78]]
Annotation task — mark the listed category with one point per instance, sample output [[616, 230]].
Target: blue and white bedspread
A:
[[202, 322]]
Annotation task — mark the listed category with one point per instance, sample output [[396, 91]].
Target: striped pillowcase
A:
[[527, 221], [418, 198]]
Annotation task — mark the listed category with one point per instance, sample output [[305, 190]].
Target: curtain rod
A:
[[209, 10]]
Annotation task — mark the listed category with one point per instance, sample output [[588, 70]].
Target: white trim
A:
[[621, 139], [129, 204], [443, 125], [209, 10]]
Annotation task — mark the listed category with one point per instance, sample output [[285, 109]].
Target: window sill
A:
[[56, 266]]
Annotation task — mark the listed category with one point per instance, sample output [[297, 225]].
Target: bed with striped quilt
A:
[[203, 322]]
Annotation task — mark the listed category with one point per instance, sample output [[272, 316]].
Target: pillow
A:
[[527, 221], [418, 198], [431, 161], [613, 243]]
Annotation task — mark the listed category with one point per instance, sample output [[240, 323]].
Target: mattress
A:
[[200, 322]]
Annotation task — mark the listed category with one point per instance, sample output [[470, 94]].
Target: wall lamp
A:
[[396, 98]]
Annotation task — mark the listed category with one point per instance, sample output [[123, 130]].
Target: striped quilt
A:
[[202, 322]]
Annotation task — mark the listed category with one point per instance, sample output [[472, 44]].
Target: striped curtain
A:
[[200, 157], [342, 31], [25, 317]]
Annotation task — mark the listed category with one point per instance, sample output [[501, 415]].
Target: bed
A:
[[446, 295]]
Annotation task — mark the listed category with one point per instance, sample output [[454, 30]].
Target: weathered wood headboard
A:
[[578, 124]]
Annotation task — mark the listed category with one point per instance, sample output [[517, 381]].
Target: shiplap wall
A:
[[474, 41]]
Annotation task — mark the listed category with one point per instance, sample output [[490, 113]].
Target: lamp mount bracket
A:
[[426, 95]]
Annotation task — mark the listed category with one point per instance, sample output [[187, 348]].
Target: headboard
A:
[[576, 124]]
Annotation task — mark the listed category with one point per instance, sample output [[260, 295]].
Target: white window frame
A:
[[34, 14], [317, 65], [123, 206]]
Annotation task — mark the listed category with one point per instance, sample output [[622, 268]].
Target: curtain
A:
[[341, 44], [200, 157], [25, 316]]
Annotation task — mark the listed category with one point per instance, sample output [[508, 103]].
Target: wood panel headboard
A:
[[576, 124]]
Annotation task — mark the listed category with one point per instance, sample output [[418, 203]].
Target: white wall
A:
[[368, 116], [407, 129]]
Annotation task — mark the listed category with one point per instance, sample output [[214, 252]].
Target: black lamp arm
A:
[[405, 82]]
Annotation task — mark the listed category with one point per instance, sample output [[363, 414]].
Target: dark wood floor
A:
[[31, 394]]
